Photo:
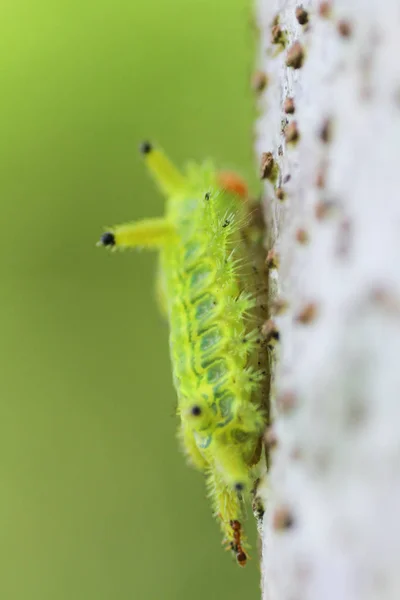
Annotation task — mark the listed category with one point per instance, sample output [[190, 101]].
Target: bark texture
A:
[[332, 525]]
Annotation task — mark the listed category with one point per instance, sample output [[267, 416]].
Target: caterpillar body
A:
[[211, 285]]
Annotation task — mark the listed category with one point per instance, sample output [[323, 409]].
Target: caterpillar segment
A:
[[211, 285]]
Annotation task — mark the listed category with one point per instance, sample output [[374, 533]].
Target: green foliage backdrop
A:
[[96, 502]]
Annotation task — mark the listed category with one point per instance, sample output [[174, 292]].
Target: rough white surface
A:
[[337, 464]]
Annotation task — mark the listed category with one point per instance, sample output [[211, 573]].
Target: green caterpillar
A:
[[212, 286]]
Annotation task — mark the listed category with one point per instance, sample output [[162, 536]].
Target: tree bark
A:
[[331, 529]]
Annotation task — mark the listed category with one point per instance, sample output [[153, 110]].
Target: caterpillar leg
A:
[[228, 509], [149, 233], [238, 543], [168, 178], [230, 463], [190, 448]]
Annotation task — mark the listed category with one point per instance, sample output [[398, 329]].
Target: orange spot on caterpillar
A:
[[231, 182]]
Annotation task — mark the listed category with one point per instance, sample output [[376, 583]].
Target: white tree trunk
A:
[[336, 468]]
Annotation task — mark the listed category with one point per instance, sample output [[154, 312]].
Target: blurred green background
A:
[[96, 501]]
